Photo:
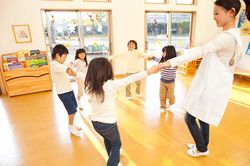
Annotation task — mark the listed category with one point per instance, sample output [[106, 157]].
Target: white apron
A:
[[209, 93]]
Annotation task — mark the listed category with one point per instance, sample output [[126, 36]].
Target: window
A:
[[95, 33], [157, 31], [167, 28], [180, 30], [185, 2], [78, 29]]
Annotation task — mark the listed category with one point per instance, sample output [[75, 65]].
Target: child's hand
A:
[[165, 65], [153, 69], [149, 58], [71, 72]]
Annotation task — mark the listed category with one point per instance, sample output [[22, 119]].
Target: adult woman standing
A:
[[209, 93]]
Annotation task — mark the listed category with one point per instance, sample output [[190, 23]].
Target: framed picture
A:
[[22, 33]]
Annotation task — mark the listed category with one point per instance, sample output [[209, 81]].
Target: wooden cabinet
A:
[[188, 68], [26, 80]]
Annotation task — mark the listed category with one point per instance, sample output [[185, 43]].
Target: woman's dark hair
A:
[[132, 41], [229, 4], [170, 53], [81, 50], [99, 71], [59, 49]]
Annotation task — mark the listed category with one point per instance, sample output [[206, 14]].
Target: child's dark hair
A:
[[81, 50], [170, 53], [60, 50], [99, 71], [132, 41], [230, 4]]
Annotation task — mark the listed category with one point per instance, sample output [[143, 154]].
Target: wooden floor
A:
[[33, 131]]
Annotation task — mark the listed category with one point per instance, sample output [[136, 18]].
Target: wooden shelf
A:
[[27, 80], [188, 68]]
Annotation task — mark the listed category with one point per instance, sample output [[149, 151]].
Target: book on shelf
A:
[[24, 59]]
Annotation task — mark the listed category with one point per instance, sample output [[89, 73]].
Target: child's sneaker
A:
[[169, 107], [73, 130], [77, 127], [128, 97], [138, 95], [79, 106], [191, 146], [196, 153], [163, 110]]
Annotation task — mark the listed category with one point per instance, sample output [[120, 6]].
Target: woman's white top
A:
[[209, 93], [60, 77], [105, 112]]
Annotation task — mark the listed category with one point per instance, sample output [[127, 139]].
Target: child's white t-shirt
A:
[[60, 77], [105, 111], [80, 66]]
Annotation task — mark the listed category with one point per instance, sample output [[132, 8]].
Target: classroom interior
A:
[[33, 120]]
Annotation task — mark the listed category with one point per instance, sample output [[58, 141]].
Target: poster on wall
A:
[[248, 49], [243, 67], [244, 24]]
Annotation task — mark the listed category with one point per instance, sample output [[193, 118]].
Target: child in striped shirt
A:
[[168, 76]]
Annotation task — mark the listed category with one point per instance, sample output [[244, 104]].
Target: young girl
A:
[[210, 90], [60, 74], [81, 64], [132, 63], [101, 88], [168, 76]]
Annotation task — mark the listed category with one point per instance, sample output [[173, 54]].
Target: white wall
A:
[[14, 12], [128, 18]]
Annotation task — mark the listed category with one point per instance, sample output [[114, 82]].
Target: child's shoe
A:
[[191, 146], [138, 95], [79, 106], [196, 153], [163, 110], [73, 130], [169, 107], [128, 97]]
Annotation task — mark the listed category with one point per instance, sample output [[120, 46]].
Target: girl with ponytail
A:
[[209, 93]]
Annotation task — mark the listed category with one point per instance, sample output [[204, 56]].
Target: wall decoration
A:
[[22, 33], [248, 49], [244, 24]]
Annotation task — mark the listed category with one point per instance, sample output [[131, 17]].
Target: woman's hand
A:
[[165, 65], [153, 69]]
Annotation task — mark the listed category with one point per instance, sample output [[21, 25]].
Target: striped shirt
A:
[[168, 75]]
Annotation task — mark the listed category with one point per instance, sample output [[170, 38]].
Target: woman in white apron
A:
[[210, 90]]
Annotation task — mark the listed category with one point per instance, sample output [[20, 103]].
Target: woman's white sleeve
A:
[[221, 41], [119, 83]]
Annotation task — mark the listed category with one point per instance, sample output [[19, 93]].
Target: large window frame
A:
[[80, 33], [169, 26]]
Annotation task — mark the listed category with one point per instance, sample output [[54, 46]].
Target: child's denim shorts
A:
[[69, 102]]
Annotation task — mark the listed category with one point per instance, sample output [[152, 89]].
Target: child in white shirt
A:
[[81, 64], [61, 79], [101, 88]]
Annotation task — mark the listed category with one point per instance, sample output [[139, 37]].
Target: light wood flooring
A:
[[33, 131]]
